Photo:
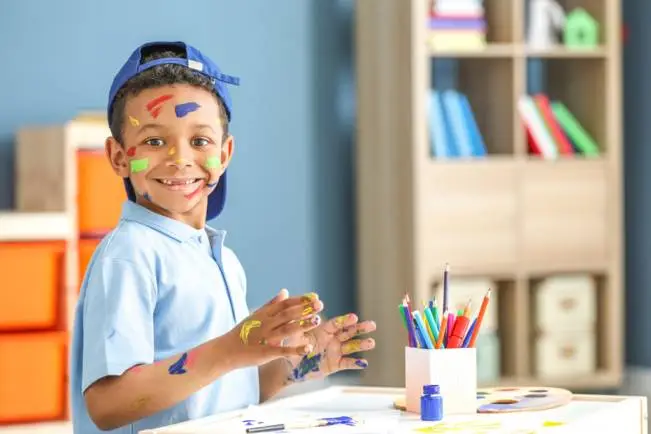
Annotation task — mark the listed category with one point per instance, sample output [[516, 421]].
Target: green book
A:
[[575, 132]]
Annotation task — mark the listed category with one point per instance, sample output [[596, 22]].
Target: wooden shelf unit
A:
[[509, 216]]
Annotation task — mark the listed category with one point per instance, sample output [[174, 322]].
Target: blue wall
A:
[[290, 205]]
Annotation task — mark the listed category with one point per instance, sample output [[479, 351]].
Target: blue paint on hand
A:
[[185, 108], [361, 363], [308, 364], [178, 367]]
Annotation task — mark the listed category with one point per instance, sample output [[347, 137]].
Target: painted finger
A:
[[356, 345], [352, 363], [296, 314], [338, 323], [355, 330], [293, 328], [276, 308]]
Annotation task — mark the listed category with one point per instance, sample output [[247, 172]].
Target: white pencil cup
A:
[[454, 370]]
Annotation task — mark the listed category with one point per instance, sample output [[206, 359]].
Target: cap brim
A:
[[216, 200]]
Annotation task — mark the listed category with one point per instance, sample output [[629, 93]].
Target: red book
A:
[[545, 109]]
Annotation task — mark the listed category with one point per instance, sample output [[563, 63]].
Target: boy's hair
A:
[[161, 75]]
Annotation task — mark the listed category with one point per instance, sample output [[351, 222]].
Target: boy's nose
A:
[[178, 156]]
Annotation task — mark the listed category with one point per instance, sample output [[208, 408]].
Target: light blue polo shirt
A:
[[155, 288]]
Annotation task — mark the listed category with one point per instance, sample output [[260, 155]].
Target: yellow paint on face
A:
[[134, 122], [172, 151]]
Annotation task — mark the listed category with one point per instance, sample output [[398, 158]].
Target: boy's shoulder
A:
[[130, 241]]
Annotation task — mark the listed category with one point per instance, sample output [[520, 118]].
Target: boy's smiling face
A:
[[173, 150]]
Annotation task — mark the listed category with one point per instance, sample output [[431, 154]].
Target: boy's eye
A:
[[155, 142], [200, 141]]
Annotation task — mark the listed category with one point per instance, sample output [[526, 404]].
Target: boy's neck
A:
[[195, 218]]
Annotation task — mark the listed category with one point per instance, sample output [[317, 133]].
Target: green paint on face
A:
[[139, 165], [213, 163]]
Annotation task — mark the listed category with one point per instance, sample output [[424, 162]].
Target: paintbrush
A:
[[326, 421]]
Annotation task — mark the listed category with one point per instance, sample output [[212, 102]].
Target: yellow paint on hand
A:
[[308, 310], [246, 329], [550, 423], [134, 122], [340, 320], [351, 347]]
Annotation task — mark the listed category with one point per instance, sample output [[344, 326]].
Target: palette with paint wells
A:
[[513, 399], [516, 399]]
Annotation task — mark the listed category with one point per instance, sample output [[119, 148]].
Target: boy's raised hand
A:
[[257, 339], [334, 345]]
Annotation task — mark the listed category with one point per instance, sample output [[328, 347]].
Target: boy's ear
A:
[[117, 156], [227, 151]]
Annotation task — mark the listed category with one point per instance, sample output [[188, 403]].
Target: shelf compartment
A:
[[472, 230], [493, 86], [564, 214]]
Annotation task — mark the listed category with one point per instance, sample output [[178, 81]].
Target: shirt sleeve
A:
[[118, 319]]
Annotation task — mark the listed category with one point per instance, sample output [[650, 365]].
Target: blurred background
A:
[[376, 141]]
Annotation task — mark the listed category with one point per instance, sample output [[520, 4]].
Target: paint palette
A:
[[514, 399]]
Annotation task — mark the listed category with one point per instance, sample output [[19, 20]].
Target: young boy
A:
[[162, 331]]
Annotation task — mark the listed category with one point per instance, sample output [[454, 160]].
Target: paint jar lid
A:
[[431, 389]]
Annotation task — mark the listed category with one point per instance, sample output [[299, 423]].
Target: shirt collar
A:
[[175, 229]]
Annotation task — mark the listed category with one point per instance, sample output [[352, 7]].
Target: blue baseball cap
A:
[[196, 61]]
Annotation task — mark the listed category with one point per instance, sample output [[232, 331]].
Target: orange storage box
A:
[[33, 377], [101, 193], [33, 282], [86, 249]]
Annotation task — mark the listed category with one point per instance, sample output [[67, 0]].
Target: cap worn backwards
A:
[[196, 61]]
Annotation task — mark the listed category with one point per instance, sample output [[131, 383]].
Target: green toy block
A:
[[581, 30]]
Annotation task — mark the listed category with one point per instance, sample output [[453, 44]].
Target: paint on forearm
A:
[[185, 108], [213, 162], [179, 366], [134, 122], [156, 105], [246, 329], [139, 165]]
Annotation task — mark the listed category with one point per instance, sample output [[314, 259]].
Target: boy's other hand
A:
[[258, 338]]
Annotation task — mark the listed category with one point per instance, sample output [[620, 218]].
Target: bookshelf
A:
[[509, 216]]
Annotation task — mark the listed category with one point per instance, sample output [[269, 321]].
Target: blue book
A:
[[438, 137], [458, 124], [476, 139]]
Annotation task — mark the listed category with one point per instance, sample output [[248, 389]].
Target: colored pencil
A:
[[446, 289], [466, 339], [442, 333], [480, 317], [466, 311], [432, 324], [404, 322], [413, 342], [420, 325], [428, 326]]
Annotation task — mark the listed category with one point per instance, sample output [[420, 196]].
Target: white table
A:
[[585, 414]]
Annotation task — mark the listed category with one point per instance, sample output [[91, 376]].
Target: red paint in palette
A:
[[155, 105]]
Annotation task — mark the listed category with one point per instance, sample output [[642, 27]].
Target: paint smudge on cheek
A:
[[172, 151], [131, 152], [133, 121], [147, 197], [213, 163], [185, 108], [156, 105], [139, 165]]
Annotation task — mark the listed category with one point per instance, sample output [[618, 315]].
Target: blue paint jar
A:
[[431, 403]]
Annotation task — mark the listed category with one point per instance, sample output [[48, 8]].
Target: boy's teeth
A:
[[186, 182]]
